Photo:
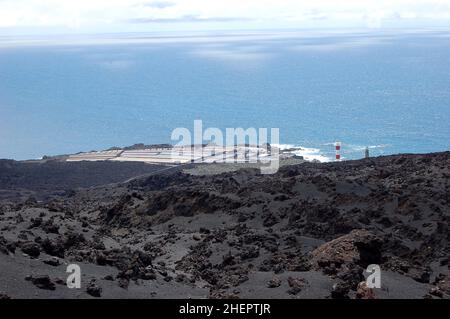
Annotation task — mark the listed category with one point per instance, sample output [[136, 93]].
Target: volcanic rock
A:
[[43, 282], [31, 249]]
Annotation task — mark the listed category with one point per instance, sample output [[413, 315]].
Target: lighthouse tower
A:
[[337, 147]]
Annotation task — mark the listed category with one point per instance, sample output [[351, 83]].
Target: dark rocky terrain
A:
[[44, 178], [308, 231]]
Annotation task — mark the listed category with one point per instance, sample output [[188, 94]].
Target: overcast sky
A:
[[95, 16]]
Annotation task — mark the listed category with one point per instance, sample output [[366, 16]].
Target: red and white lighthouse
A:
[[337, 147]]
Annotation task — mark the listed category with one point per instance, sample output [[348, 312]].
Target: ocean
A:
[[386, 90]]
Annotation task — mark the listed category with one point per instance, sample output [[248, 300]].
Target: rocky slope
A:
[[54, 176], [308, 231]]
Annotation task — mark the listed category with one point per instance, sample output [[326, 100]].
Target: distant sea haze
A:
[[388, 91]]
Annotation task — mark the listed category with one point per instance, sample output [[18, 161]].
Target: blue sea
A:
[[388, 90]]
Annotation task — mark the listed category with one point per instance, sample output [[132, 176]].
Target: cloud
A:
[[188, 18], [94, 15], [159, 4]]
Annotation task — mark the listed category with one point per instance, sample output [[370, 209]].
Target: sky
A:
[[100, 16]]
